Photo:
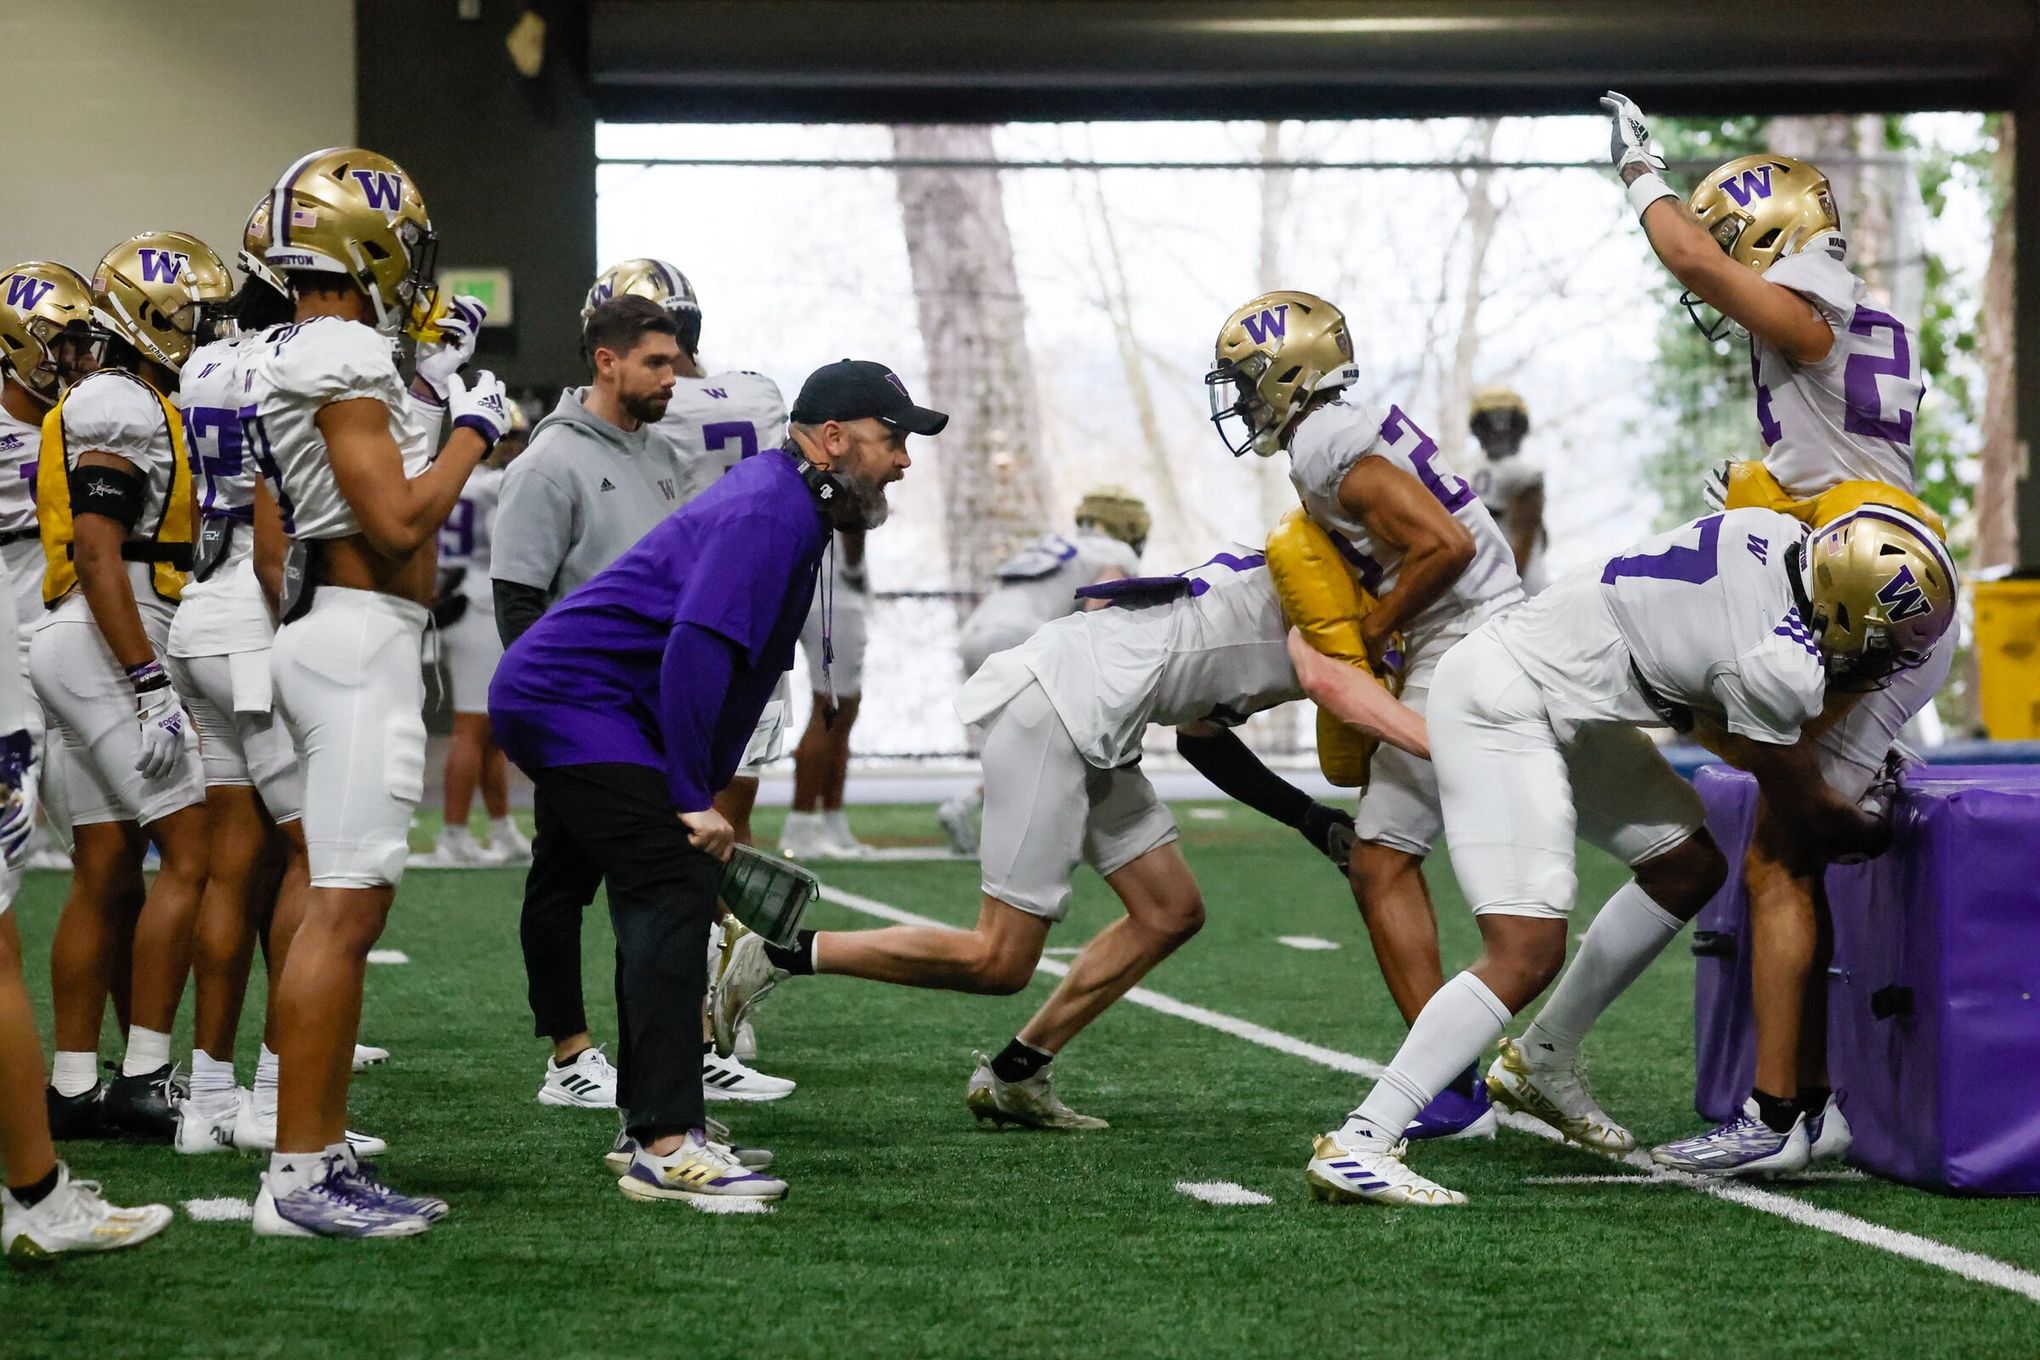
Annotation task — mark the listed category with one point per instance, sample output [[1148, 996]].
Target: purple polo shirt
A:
[[667, 657]]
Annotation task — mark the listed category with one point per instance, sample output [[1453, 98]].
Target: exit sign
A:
[[492, 286]]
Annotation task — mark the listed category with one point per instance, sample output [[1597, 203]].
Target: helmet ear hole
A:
[[1842, 616], [1289, 375]]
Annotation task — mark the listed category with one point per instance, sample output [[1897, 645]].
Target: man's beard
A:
[[648, 409], [868, 494]]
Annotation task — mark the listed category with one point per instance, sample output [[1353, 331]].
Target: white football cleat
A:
[[803, 836], [745, 1045], [72, 1217], [1557, 1095], [457, 848], [959, 818], [618, 1158], [508, 841], [1353, 1166], [840, 841], [1828, 1135], [201, 1130], [587, 1081], [743, 978], [1744, 1146], [728, 1079], [700, 1172], [1031, 1104], [255, 1131], [368, 1055]]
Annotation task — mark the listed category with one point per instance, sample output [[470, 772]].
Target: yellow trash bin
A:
[[2008, 658]]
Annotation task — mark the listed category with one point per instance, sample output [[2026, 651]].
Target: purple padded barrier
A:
[[1934, 1001]]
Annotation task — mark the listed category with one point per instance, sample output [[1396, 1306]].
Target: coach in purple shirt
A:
[[629, 704]]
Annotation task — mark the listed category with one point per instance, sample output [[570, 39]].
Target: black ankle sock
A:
[[31, 1195], [1463, 1083], [1018, 1061], [1777, 1112], [1813, 1099], [797, 958]]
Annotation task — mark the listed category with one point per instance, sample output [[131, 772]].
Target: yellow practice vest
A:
[[169, 548], [1751, 486]]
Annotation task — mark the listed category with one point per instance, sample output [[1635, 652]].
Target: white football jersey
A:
[[1498, 481], [1850, 416], [226, 612], [1706, 615], [1040, 582], [1209, 643], [464, 538], [292, 373], [715, 421], [115, 412], [20, 443], [1327, 446]]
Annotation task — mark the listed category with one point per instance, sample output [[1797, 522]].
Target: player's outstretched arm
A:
[[1769, 311], [1219, 755], [397, 514], [1357, 699], [1808, 809], [1437, 549]]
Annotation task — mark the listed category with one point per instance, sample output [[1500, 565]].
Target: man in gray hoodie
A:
[[594, 480]]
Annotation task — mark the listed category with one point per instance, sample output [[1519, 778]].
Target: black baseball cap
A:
[[859, 389]]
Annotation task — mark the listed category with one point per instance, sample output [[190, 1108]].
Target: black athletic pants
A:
[[558, 887], [616, 824]]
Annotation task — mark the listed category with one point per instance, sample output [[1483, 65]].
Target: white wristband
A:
[[1647, 189]]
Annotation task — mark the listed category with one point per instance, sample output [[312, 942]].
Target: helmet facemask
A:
[[1235, 393]]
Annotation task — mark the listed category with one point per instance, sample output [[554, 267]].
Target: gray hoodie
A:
[[580, 495]]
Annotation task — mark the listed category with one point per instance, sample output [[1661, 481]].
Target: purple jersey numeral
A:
[[255, 439], [1861, 396], [716, 436], [28, 471], [1767, 424], [1455, 495], [1695, 565], [457, 535], [213, 435]]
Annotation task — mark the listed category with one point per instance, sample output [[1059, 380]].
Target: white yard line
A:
[[1968, 1264], [227, 1210], [1306, 942], [388, 956], [1221, 1192]]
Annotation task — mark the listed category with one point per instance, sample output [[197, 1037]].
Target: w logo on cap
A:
[[163, 266], [26, 292], [896, 381], [1270, 324], [1749, 184], [383, 189], [1903, 597]]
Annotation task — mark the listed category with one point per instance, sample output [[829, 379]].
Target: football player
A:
[[43, 1211], [1064, 716], [1429, 553], [1508, 484], [326, 416], [46, 345], [1838, 385], [116, 514], [219, 660], [1039, 583], [1738, 627], [470, 647]]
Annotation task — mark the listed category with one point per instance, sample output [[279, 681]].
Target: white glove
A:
[[161, 715], [439, 360], [1629, 139], [1715, 489], [483, 407]]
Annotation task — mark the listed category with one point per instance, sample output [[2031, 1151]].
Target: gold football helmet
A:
[[255, 242], [164, 292], [41, 303], [1273, 355], [1758, 209], [657, 280], [1498, 413], [1882, 588], [1118, 513], [352, 212]]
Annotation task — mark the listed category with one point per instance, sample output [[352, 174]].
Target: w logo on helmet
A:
[[1272, 324], [26, 292], [1903, 597], [383, 189], [1755, 183], [163, 266]]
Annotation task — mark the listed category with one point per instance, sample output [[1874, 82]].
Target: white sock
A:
[[212, 1081], [266, 1069], [455, 834], [73, 1074], [505, 826], [289, 1171], [799, 823], [1451, 1031], [147, 1050], [837, 821], [1630, 931]]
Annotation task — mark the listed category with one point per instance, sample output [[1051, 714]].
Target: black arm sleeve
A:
[[517, 608], [1225, 760]]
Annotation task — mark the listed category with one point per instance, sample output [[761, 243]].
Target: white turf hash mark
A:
[[388, 956], [730, 1206], [1968, 1264], [227, 1210], [1306, 942], [1221, 1192]]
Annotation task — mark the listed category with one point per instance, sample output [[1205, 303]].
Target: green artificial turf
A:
[[911, 1233]]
